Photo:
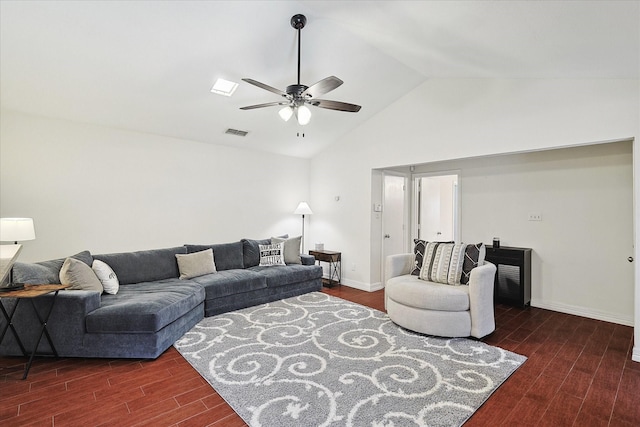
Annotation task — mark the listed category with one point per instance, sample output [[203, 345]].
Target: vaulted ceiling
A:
[[149, 66]]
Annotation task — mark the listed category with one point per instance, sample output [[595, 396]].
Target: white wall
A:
[[108, 190], [453, 119], [580, 248], [447, 119]]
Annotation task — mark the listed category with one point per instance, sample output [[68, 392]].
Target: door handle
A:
[[630, 259]]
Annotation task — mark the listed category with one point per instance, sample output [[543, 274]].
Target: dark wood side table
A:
[[513, 277], [335, 266], [30, 292]]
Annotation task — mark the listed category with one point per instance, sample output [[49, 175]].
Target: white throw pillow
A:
[[271, 255], [196, 264], [79, 275], [107, 276], [291, 249]]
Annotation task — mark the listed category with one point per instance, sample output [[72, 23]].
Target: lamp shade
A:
[[286, 113], [303, 209], [303, 114], [16, 229]]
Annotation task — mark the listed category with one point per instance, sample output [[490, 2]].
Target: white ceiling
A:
[[148, 66]]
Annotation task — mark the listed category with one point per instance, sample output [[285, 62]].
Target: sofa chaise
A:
[[153, 306]]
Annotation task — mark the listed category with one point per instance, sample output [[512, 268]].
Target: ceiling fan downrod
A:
[[298, 22]]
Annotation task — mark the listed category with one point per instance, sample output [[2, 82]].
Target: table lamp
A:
[[16, 230]]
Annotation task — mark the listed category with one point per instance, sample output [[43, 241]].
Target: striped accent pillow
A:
[[443, 262]]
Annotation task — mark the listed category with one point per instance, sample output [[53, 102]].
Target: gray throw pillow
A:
[[80, 276], [291, 249], [196, 264]]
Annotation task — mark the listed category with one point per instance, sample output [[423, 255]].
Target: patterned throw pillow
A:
[[443, 262], [271, 255], [474, 256], [418, 250]]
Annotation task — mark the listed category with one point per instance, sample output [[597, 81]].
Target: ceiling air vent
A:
[[236, 132]]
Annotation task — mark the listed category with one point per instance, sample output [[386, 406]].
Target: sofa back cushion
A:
[[227, 256], [45, 272], [144, 266], [251, 251]]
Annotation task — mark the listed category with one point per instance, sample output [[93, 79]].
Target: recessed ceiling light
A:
[[224, 87]]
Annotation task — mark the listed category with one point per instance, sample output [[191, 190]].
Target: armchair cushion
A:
[[414, 292]]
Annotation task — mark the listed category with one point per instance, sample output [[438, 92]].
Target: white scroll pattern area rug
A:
[[318, 360]]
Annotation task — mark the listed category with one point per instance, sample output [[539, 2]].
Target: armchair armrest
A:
[[481, 283], [398, 265]]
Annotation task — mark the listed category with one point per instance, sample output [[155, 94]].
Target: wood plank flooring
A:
[[579, 373]]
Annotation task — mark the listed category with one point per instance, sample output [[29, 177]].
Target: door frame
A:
[[415, 201]]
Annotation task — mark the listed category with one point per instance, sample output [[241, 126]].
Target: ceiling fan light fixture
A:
[[286, 113], [303, 113]]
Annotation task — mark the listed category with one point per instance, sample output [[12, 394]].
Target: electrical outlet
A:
[[353, 267], [535, 216]]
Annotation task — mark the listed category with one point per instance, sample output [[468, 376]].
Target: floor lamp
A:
[[303, 209]]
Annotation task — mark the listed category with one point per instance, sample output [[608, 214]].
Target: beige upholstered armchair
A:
[[439, 309]]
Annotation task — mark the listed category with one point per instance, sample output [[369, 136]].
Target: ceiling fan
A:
[[297, 95]]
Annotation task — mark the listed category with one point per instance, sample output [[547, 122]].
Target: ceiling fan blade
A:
[[323, 86], [335, 105], [265, 87], [268, 104]]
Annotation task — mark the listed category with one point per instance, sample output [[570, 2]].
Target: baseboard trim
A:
[[635, 356], [368, 287], [584, 312]]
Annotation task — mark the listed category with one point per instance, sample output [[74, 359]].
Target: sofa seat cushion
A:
[[412, 291], [286, 275], [229, 282], [144, 307]]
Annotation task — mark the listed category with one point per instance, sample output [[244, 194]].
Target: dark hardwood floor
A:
[[579, 373]]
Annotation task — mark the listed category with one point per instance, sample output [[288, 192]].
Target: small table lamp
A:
[[303, 209], [16, 229]]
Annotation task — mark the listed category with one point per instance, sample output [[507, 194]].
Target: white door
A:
[[394, 216], [437, 208]]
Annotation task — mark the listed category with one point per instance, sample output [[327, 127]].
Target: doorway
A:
[[436, 208], [394, 215]]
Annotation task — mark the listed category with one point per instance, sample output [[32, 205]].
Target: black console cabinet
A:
[[513, 277]]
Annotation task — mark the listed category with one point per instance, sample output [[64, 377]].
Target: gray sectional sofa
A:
[[153, 307]]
